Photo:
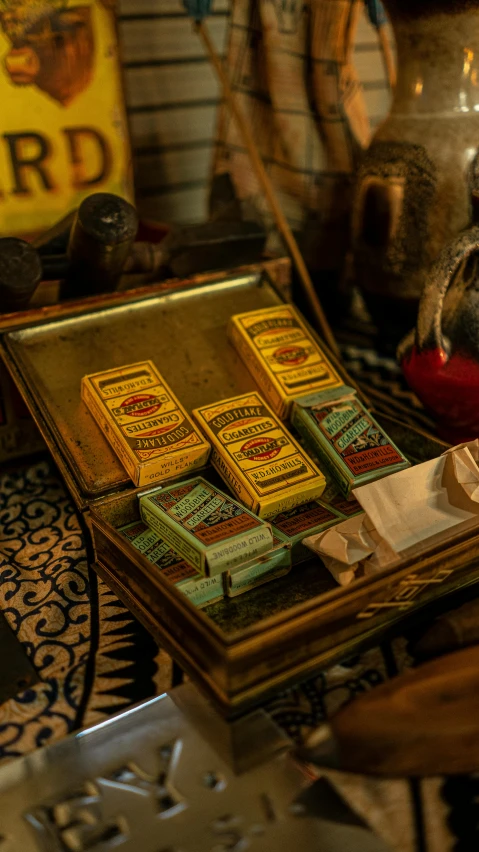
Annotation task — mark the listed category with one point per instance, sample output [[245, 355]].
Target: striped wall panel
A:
[[172, 96]]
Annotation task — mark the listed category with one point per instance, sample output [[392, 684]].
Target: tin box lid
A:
[[182, 331]]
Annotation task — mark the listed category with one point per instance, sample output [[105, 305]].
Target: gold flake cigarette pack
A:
[[145, 424], [208, 528], [259, 459], [282, 355]]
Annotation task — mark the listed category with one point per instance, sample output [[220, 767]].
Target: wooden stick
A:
[[388, 55], [396, 407], [281, 221]]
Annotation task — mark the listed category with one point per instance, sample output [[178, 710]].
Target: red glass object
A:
[[446, 382]]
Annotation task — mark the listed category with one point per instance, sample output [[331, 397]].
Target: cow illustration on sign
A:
[[52, 45]]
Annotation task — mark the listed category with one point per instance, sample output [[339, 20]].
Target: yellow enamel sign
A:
[[63, 132]]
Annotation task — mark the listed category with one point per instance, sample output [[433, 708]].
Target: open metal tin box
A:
[[242, 649]]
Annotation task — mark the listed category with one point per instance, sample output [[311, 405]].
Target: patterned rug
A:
[[92, 656]]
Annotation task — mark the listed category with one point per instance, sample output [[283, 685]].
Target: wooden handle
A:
[[423, 723], [450, 632], [281, 221]]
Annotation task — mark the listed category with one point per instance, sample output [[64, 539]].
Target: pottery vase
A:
[[413, 193]]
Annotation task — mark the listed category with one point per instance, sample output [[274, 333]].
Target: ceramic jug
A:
[[440, 359], [415, 181]]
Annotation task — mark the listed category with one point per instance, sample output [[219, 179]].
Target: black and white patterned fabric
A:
[[92, 656]]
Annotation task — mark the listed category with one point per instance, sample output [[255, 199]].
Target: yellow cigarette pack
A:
[[282, 355], [145, 424], [258, 458]]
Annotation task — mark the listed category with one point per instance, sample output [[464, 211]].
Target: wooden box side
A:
[[241, 667]]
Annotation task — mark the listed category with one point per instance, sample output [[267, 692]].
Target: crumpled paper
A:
[[343, 552], [465, 472], [404, 514]]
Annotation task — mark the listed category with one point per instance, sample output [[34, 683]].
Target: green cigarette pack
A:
[[200, 590], [208, 528], [140, 536], [346, 438], [333, 499], [276, 563], [296, 524]]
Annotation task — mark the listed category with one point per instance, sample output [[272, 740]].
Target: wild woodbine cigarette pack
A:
[[200, 590], [211, 530], [346, 438]]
